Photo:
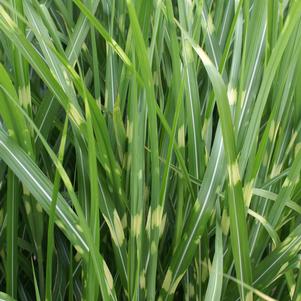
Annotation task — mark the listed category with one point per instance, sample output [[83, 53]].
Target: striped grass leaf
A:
[[152, 102], [41, 189], [195, 151], [20, 132], [105, 34], [42, 186], [236, 203], [53, 61], [136, 136], [275, 263], [110, 214], [11, 30], [31, 176], [268, 79], [156, 209], [91, 289], [75, 43]]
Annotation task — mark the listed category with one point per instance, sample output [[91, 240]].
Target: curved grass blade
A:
[[236, 204], [113, 221], [104, 33], [41, 188], [10, 29], [268, 77], [6, 297]]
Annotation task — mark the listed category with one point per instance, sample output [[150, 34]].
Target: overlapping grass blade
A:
[[156, 140]]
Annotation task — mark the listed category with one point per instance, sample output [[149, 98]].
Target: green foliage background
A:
[[150, 150]]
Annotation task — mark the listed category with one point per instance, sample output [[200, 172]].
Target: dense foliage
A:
[[150, 150]]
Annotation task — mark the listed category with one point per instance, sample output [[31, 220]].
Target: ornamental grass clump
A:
[[150, 150]]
